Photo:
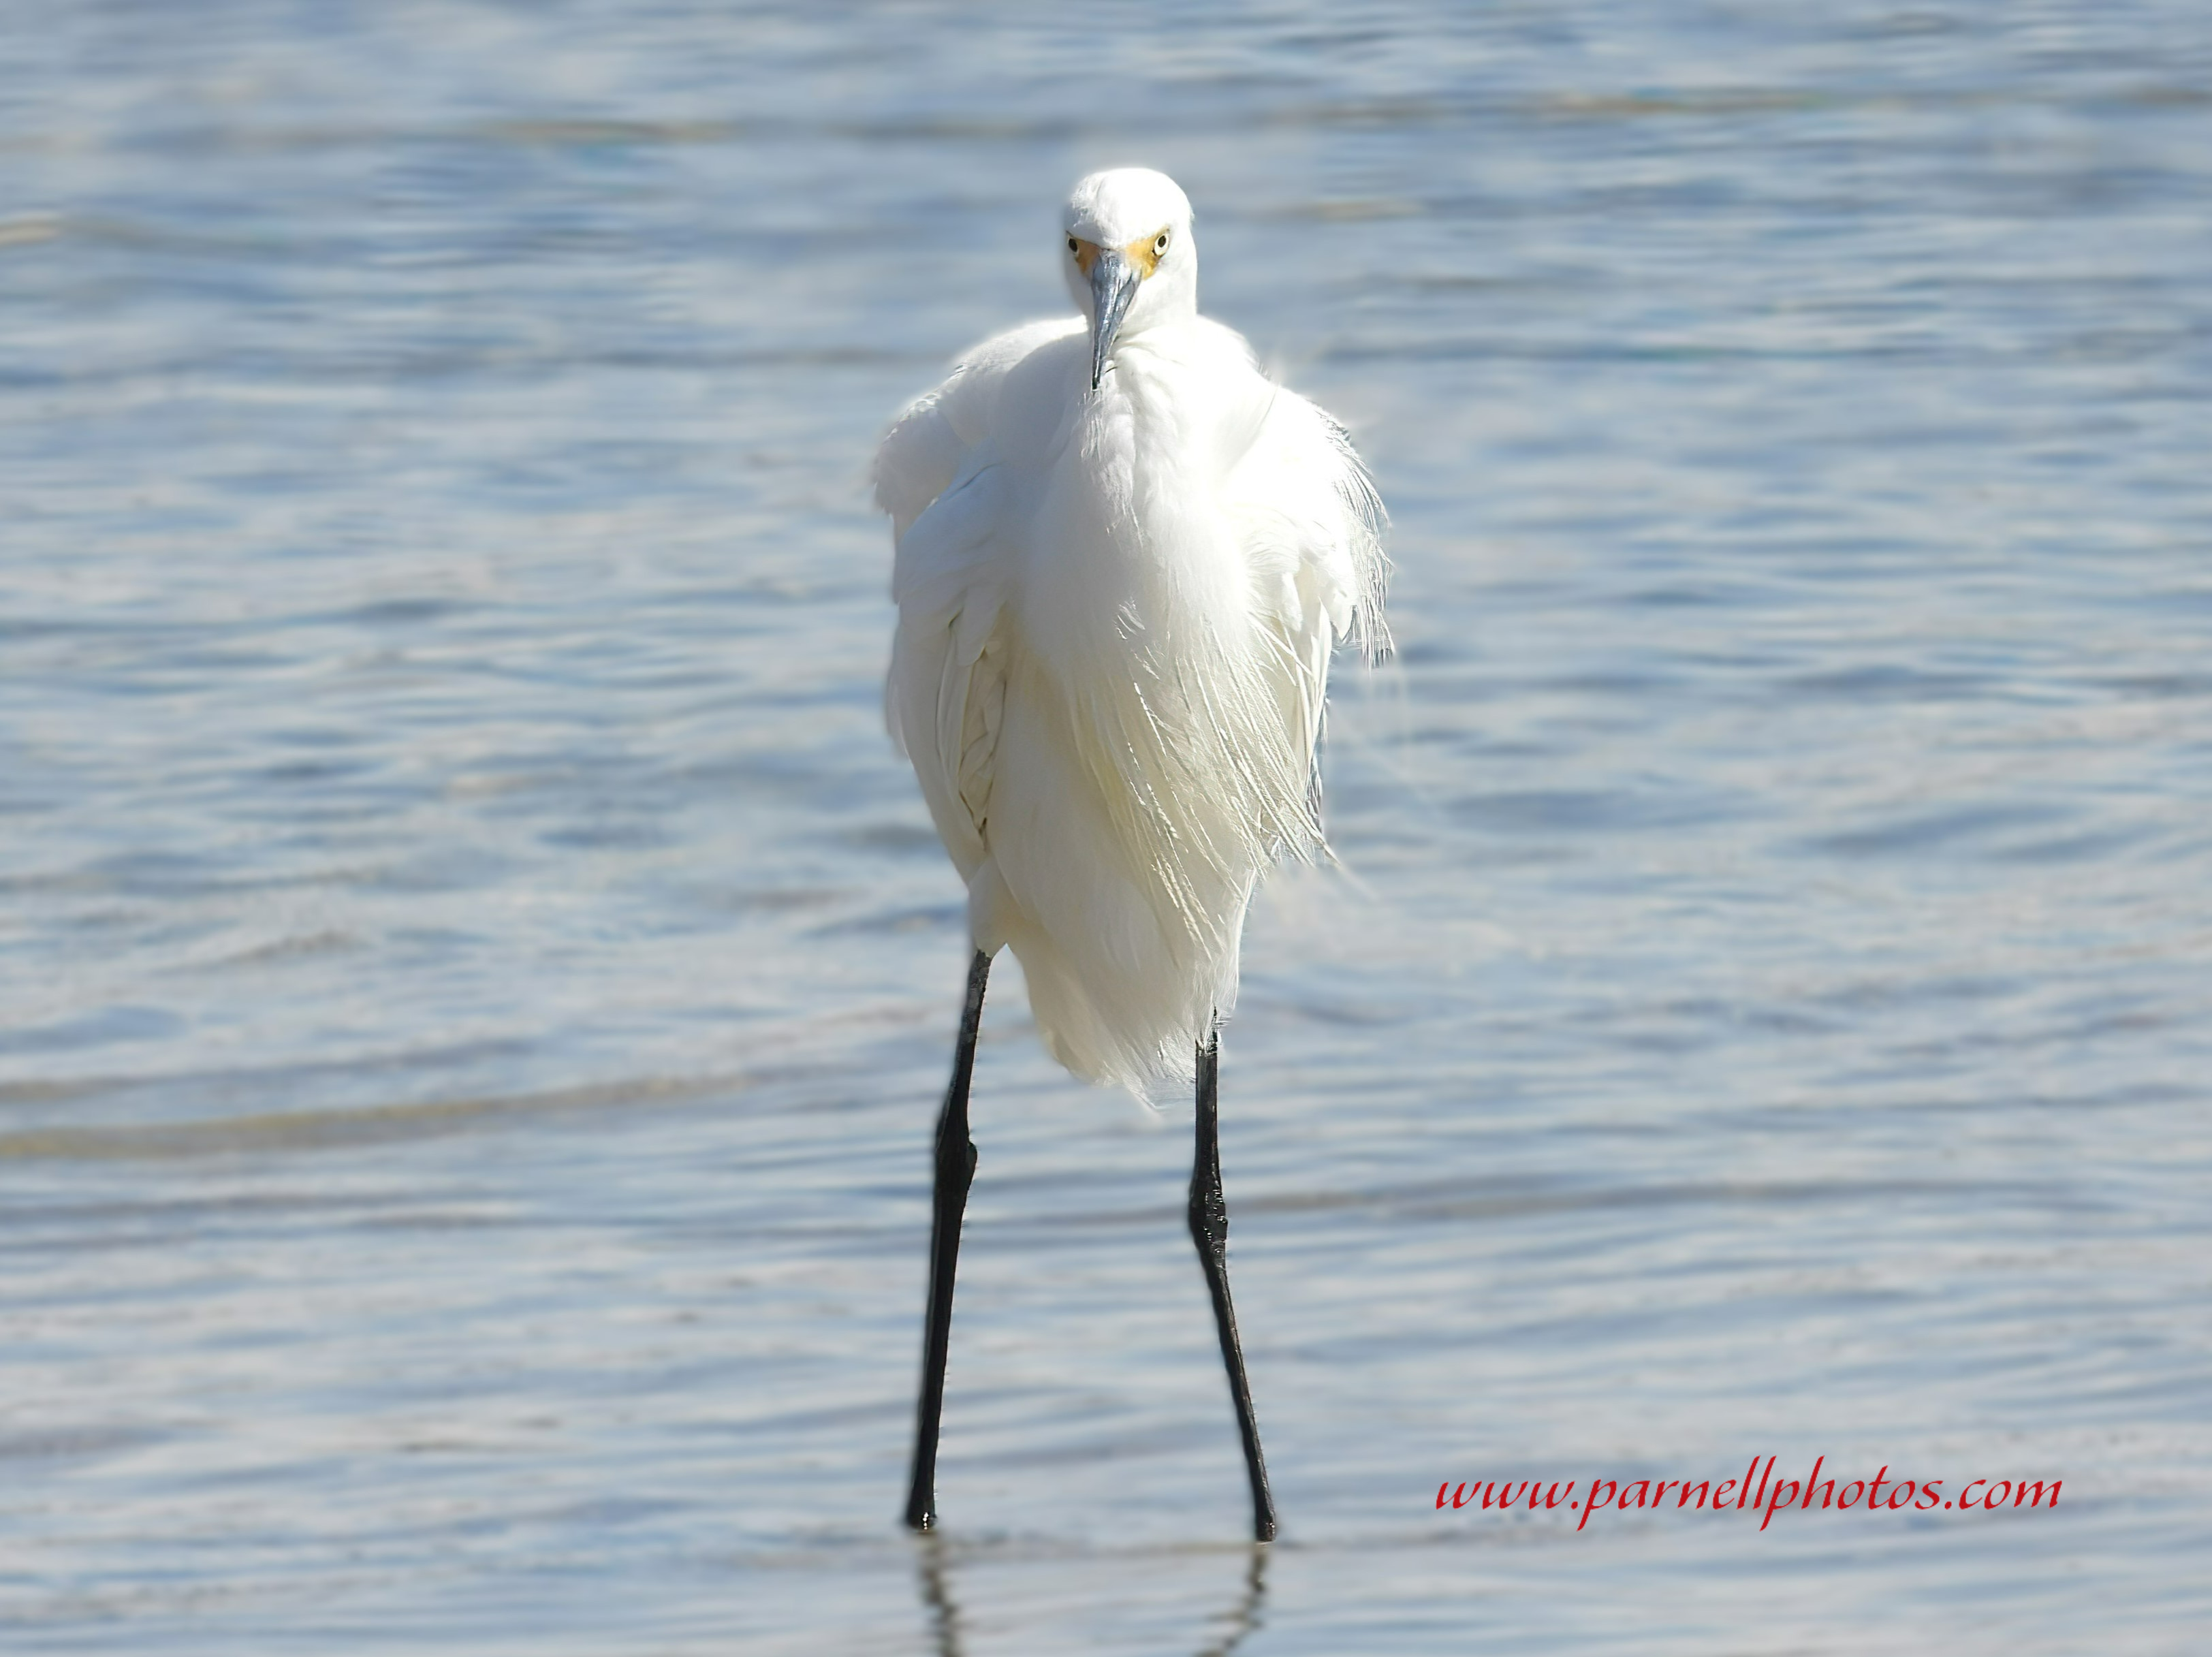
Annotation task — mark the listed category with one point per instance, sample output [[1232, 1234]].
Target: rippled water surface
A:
[[476, 978]]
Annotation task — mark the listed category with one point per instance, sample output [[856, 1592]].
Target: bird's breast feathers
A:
[[1115, 613]]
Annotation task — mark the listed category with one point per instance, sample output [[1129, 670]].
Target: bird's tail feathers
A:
[[1127, 1011], [1133, 1042]]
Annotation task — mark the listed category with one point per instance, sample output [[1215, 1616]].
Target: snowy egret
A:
[[1123, 556]]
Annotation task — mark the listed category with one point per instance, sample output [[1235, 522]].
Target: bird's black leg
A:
[[956, 1171], [1209, 1230]]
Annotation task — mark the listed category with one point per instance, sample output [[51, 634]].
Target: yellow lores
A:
[[1145, 254]]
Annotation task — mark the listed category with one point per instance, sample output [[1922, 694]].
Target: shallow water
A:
[[478, 979]]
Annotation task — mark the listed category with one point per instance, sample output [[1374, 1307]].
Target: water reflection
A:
[[1244, 1619], [934, 1557], [937, 1594]]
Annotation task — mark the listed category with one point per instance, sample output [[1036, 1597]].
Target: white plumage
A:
[[1116, 608]]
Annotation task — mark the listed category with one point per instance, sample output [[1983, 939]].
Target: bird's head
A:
[[1130, 260]]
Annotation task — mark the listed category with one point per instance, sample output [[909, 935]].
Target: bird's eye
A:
[[1160, 242], [1072, 247]]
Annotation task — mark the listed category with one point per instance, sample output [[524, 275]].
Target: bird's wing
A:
[[938, 477], [922, 453], [1312, 528], [1309, 510], [947, 686]]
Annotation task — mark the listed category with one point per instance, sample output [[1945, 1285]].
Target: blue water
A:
[[474, 978]]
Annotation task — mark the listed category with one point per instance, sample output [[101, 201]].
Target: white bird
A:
[[1123, 557]]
